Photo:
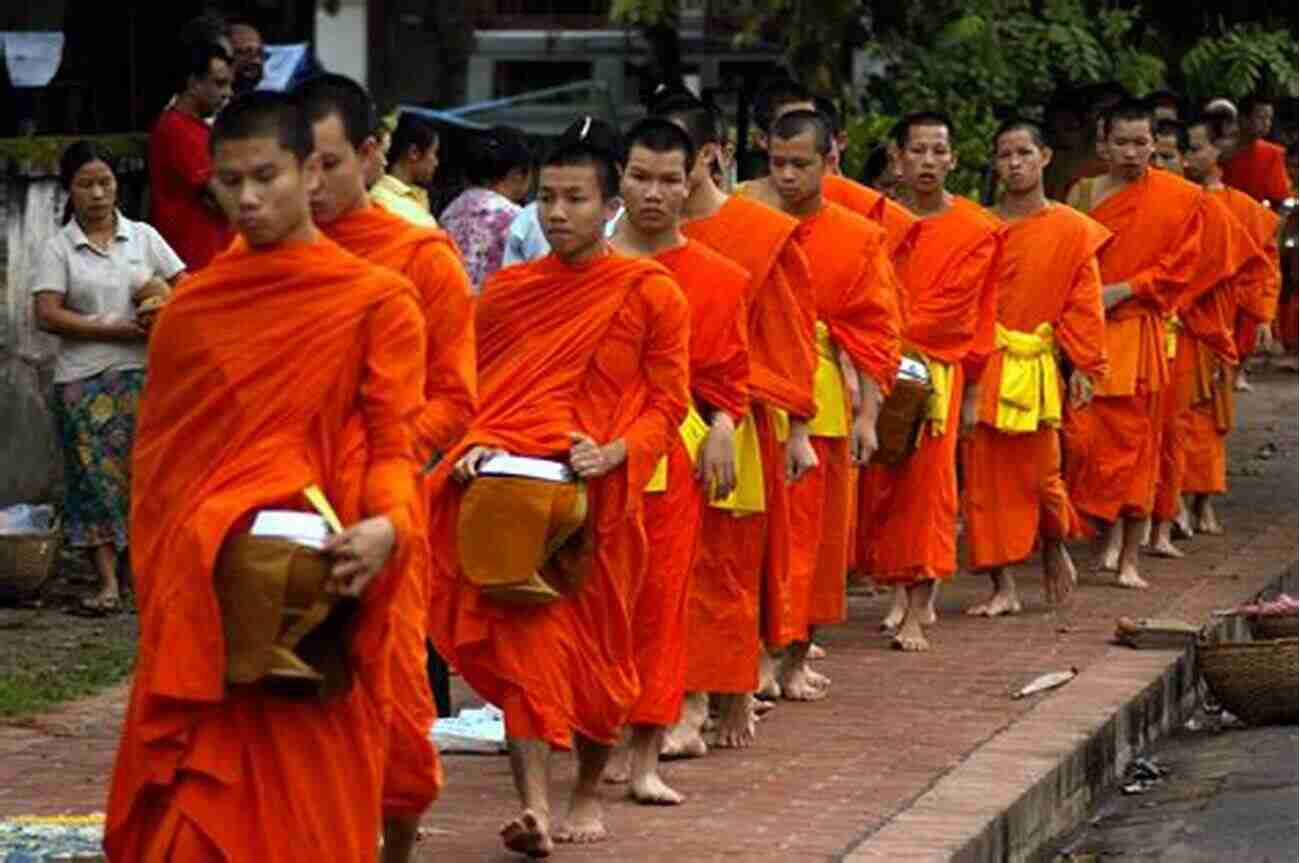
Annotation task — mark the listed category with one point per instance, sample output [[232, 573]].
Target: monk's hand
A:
[[800, 457], [852, 384], [467, 468], [716, 470], [358, 554], [589, 460], [863, 442], [1113, 295], [1080, 389]]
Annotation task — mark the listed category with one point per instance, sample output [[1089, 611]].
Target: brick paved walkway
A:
[[824, 776]]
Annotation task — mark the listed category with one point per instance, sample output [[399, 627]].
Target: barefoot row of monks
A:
[[621, 488]]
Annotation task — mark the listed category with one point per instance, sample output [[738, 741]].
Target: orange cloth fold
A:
[[1257, 290], [1259, 170], [907, 516], [1014, 492], [715, 289], [231, 423], [601, 349], [871, 205], [429, 259]]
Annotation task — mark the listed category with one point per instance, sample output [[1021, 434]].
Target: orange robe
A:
[[1247, 285], [948, 266], [1112, 446], [740, 587], [896, 219], [857, 300], [429, 259], [1014, 491], [1260, 171], [601, 349], [1257, 298], [715, 289], [231, 423]]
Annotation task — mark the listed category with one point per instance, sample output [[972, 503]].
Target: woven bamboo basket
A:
[[1256, 680], [27, 562], [1269, 626]]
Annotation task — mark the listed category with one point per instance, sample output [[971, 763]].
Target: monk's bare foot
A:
[[1242, 385], [996, 606], [1109, 560], [897, 611], [1207, 521], [686, 738], [585, 823], [1163, 546], [928, 615], [1182, 528], [910, 638], [816, 651], [651, 790], [1128, 577], [1059, 574], [761, 707], [769, 689], [528, 835], [619, 769], [797, 685], [736, 725]]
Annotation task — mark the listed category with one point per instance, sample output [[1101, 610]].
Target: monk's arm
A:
[[665, 364], [1163, 284], [803, 314], [1081, 331], [868, 323], [720, 374], [392, 393], [451, 387]]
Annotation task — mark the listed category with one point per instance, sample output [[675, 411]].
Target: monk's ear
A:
[[1047, 155], [312, 174]]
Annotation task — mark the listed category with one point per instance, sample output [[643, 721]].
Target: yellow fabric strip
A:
[[832, 419], [1029, 393], [748, 498], [1172, 327], [694, 430], [940, 395], [321, 504]]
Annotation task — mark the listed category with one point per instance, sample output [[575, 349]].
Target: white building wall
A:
[[341, 40]]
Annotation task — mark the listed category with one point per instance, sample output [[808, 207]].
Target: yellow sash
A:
[[694, 430], [748, 496], [1172, 327], [1029, 393], [940, 395], [832, 419]]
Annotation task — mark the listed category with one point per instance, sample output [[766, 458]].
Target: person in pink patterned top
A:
[[500, 168]]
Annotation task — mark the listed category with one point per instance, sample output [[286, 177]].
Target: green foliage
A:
[[1241, 60]]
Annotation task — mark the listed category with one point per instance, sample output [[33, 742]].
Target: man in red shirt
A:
[[181, 207], [1257, 166]]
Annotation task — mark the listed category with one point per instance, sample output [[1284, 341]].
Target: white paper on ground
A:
[[478, 730], [305, 528]]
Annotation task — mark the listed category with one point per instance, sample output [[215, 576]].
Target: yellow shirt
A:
[[403, 200]]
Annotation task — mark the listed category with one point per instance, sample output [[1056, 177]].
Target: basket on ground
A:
[[1269, 626], [27, 562], [1256, 680]]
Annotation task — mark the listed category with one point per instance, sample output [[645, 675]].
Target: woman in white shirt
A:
[[83, 286]]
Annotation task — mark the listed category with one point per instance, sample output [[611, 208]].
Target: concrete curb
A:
[[1037, 779]]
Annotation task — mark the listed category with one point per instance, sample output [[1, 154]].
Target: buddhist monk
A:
[[1256, 165], [1241, 236], [1049, 302], [583, 361], [701, 461], [907, 526], [740, 586], [1112, 445], [342, 112], [233, 423], [857, 319]]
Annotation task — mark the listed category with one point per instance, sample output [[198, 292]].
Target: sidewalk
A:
[[913, 757]]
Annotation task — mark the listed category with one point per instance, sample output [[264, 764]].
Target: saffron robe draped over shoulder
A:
[[1257, 297], [896, 219], [1260, 171], [600, 349], [857, 302], [750, 557], [1112, 446], [669, 599], [428, 258], [948, 265], [231, 423], [1014, 492]]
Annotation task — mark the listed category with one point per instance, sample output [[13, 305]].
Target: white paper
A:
[[910, 369], [281, 62], [533, 468], [479, 730], [305, 528], [32, 58]]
